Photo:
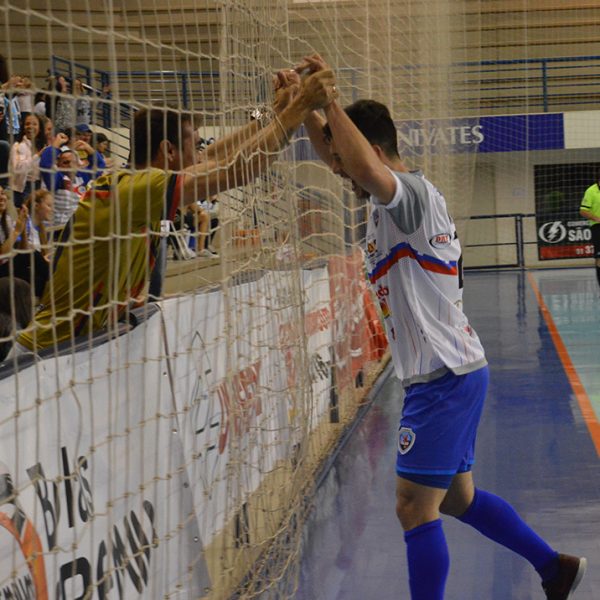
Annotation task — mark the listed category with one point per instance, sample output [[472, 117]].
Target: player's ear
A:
[[379, 151]]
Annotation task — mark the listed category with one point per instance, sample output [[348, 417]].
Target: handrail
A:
[[547, 82]]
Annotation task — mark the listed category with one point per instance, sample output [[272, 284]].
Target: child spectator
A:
[[25, 158], [29, 237], [34, 266], [90, 162], [10, 231], [62, 180], [40, 206]]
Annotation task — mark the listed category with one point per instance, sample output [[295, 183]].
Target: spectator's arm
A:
[[228, 144], [252, 156], [99, 164], [47, 160]]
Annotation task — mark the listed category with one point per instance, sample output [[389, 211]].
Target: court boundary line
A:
[[585, 406]]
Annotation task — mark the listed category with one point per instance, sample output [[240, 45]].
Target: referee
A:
[[590, 209]]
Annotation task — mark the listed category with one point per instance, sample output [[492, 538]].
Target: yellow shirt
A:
[[591, 202], [105, 254]]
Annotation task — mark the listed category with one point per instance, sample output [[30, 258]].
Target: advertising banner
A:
[[89, 481]]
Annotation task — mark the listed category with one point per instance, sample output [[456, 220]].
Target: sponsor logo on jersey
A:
[[441, 240], [406, 439], [552, 232]]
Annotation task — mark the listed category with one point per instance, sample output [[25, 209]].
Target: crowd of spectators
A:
[[51, 151], [99, 234]]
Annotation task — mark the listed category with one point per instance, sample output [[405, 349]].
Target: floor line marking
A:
[[585, 405]]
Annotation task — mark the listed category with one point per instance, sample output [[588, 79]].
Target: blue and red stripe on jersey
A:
[[405, 250]]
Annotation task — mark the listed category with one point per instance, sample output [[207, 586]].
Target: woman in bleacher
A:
[[25, 159]]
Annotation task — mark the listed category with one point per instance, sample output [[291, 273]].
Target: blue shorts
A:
[[438, 427]]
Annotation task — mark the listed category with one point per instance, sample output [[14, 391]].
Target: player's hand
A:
[[319, 89], [285, 78], [311, 64], [287, 86]]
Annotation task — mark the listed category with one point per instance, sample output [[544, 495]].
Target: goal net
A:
[[165, 414]]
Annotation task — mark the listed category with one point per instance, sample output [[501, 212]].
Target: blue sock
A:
[[428, 561], [497, 519]]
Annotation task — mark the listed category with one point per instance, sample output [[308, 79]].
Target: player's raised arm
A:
[[350, 152], [244, 158]]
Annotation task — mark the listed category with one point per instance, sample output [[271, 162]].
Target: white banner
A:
[[119, 465], [89, 485]]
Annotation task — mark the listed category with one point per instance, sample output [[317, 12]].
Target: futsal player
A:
[[414, 265]]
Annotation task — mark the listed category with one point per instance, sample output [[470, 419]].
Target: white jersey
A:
[[414, 264]]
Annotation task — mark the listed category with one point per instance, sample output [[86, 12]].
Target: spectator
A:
[[34, 265], [64, 106], [83, 105], [4, 143], [195, 220], [91, 162], [39, 104], [25, 98], [6, 334], [48, 127], [28, 233], [102, 145], [16, 301], [10, 232], [12, 111], [25, 159], [40, 206], [210, 206], [62, 180], [115, 230], [16, 308]]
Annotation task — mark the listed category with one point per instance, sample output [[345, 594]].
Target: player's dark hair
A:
[[374, 121], [152, 126]]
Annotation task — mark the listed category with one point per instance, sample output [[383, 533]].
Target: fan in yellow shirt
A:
[[106, 252]]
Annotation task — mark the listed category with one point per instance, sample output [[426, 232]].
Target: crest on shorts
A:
[[406, 439]]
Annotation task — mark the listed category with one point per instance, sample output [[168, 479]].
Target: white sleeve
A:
[[408, 204]]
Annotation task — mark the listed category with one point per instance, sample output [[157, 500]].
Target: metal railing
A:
[[508, 236], [531, 84]]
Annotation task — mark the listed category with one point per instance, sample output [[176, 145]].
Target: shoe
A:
[[206, 253], [571, 570]]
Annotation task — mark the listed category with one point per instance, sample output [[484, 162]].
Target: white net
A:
[[169, 448]]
